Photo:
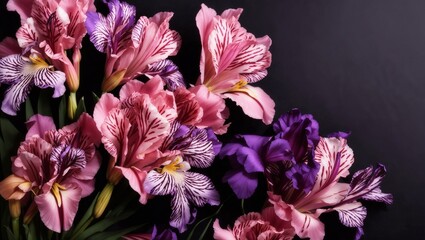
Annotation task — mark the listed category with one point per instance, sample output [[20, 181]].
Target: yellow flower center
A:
[[238, 85], [56, 188], [38, 61], [174, 166]]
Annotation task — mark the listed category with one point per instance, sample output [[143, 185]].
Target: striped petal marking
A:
[[10, 68], [335, 158], [186, 187]]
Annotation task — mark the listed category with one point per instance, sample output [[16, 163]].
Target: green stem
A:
[[83, 227], [15, 227]]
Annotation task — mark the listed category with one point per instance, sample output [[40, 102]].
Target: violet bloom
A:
[[301, 132], [189, 147], [248, 155], [55, 168], [132, 48], [22, 74]]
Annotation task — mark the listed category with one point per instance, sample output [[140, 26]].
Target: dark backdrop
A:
[[357, 65]]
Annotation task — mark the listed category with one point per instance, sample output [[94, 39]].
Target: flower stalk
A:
[[15, 213]]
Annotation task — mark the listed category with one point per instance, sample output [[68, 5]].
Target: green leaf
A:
[[62, 111], [203, 220], [28, 109], [81, 107], [10, 144], [113, 235], [83, 220], [95, 98], [44, 103], [30, 231], [9, 233]]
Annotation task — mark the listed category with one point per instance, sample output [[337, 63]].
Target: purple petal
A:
[[45, 78], [180, 211], [68, 158], [166, 234], [10, 69], [16, 95], [160, 184], [200, 190], [340, 135], [278, 150], [352, 217], [216, 143], [359, 233], [169, 73], [366, 184], [242, 184], [303, 176]]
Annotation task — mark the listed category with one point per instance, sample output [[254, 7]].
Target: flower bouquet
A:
[[150, 155]]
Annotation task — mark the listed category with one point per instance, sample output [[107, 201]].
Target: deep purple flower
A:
[[301, 131], [248, 155]]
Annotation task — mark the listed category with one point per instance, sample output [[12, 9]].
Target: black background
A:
[[356, 65]]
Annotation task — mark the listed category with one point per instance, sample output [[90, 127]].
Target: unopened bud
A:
[[113, 81], [103, 200], [15, 208]]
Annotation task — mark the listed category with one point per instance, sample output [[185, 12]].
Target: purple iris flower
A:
[[248, 155], [301, 131]]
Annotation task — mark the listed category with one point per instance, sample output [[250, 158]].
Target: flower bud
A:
[[15, 208], [103, 200], [113, 81]]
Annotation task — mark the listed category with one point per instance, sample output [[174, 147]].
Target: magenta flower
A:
[[132, 49], [133, 128], [231, 59], [189, 147], [22, 73], [302, 209], [56, 168]]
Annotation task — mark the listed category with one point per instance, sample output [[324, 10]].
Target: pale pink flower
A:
[[56, 168], [133, 127], [255, 226], [231, 59]]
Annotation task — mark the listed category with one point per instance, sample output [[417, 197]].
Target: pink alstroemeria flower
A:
[[302, 210], [52, 27], [133, 128], [254, 225], [231, 59], [132, 49], [55, 168]]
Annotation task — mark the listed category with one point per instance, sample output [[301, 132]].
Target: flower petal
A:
[[9, 46], [59, 217], [136, 179], [254, 102], [12, 187], [189, 111], [160, 183], [222, 234], [335, 158], [169, 72], [45, 78], [243, 184], [16, 95], [180, 211], [199, 152], [115, 131], [26, 34], [352, 215], [38, 125], [105, 104], [200, 190], [10, 69]]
